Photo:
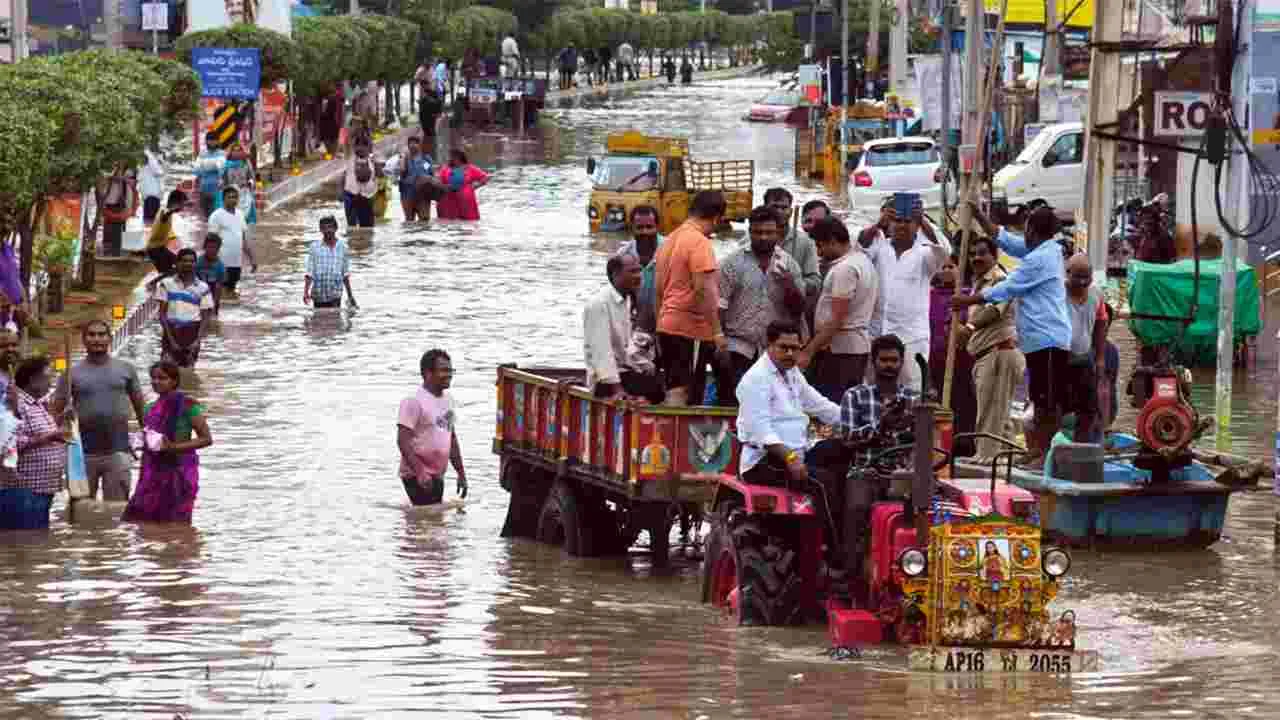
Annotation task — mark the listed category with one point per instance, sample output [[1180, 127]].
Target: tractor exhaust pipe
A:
[[922, 485]]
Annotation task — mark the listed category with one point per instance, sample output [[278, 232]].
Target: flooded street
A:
[[309, 588]]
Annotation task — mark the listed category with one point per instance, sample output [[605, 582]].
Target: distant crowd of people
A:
[[600, 66]]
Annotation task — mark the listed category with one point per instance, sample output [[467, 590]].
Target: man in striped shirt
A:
[[186, 308]]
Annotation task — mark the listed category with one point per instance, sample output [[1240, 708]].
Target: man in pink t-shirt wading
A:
[[425, 434]]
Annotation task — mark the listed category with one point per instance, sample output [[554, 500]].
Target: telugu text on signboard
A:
[[228, 73]]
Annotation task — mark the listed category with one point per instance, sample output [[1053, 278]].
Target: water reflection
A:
[[310, 589]]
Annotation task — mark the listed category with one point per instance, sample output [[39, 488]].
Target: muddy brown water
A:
[[308, 588]]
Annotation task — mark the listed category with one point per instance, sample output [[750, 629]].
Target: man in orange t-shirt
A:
[[688, 301]]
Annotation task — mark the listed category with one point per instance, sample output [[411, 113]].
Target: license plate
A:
[[1002, 660]]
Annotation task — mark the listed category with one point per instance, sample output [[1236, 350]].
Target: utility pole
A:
[[813, 29], [975, 133], [355, 7], [1100, 153], [872, 64], [17, 30], [1050, 70], [844, 90], [1049, 54], [947, 10], [898, 48], [973, 34], [111, 19], [1237, 191]]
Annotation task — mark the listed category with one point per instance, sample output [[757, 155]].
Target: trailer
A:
[[734, 178], [590, 474]]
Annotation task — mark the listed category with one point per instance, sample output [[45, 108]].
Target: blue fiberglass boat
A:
[[1124, 505]]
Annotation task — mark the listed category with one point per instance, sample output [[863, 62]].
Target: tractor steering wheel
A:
[[900, 449]]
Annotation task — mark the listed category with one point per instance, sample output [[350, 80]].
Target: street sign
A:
[[155, 16], [228, 73], [1182, 114], [226, 125]]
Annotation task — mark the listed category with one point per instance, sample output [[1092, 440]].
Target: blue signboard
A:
[[228, 73]]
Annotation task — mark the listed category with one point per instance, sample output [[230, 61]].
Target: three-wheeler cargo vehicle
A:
[[639, 169]]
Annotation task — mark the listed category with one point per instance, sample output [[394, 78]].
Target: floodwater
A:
[[308, 588]]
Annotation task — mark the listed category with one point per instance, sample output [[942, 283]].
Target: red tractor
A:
[[780, 555]]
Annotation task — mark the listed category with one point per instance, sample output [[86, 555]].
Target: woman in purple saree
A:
[[166, 491]]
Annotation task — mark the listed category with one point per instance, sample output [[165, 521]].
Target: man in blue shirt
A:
[[210, 269], [328, 269], [1044, 324], [209, 168]]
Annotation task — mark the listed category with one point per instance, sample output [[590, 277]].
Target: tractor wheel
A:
[[528, 487], [762, 568], [561, 521]]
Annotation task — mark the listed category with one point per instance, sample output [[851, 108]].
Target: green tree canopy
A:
[[67, 121], [480, 28]]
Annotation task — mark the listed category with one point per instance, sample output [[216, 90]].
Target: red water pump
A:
[[1167, 423]]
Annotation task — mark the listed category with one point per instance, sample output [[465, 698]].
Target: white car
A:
[[893, 165], [1048, 171]]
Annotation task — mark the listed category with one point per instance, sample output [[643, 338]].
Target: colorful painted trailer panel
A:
[[645, 451]]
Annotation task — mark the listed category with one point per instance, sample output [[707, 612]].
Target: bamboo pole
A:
[[973, 183]]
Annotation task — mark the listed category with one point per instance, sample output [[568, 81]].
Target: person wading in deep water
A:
[[25, 495], [175, 427], [103, 391], [426, 436], [186, 308], [461, 179], [328, 269]]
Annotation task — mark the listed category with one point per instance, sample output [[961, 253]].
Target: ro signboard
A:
[[1182, 114], [228, 73]]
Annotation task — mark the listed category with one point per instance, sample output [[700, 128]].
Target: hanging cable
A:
[[1261, 178]]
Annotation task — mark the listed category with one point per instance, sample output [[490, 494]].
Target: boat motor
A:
[[1168, 423]]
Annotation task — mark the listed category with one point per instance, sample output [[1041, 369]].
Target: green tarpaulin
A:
[[1157, 289]]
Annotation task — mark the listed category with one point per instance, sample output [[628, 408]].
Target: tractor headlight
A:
[[592, 212], [912, 562], [1056, 562]]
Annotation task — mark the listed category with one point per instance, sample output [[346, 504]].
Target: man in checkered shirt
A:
[[328, 269], [879, 411], [25, 496]]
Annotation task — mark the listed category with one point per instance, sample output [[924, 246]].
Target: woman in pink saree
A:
[[170, 477], [461, 179]]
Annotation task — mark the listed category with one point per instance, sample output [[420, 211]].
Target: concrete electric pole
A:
[[1237, 191], [114, 23], [844, 90], [1100, 153], [872, 63]]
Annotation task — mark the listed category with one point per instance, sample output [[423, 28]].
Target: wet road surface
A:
[[309, 588]]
